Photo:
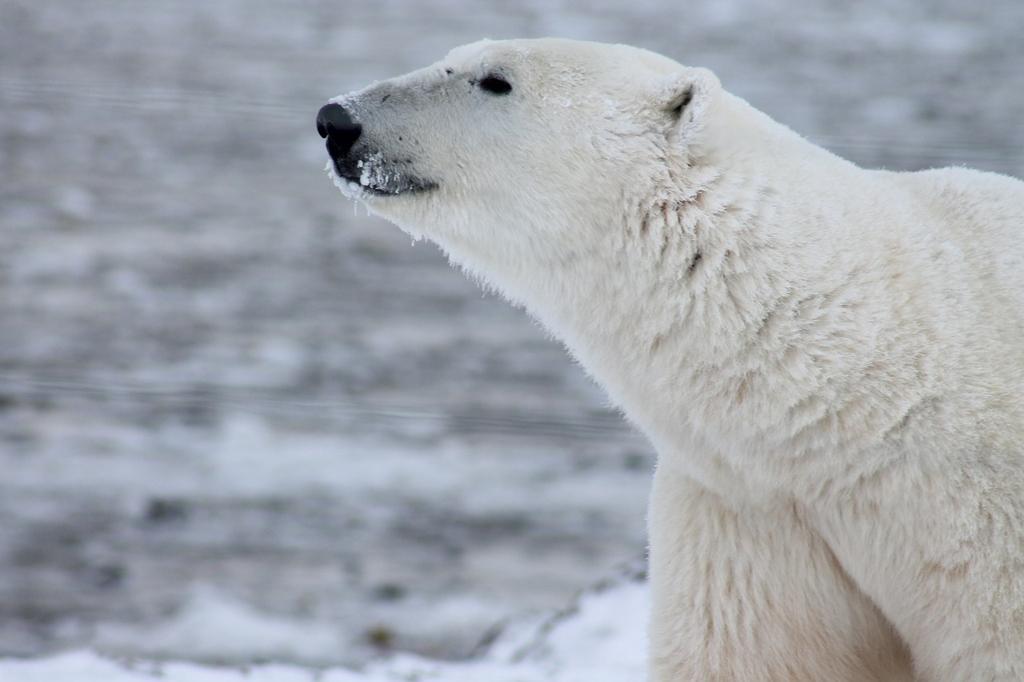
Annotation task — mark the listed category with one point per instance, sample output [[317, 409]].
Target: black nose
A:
[[336, 124]]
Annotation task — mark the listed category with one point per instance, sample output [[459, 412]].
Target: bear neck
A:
[[728, 307]]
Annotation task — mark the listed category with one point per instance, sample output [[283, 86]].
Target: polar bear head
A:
[[517, 154]]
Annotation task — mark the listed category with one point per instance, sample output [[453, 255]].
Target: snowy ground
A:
[[600, 638], [228, 401]]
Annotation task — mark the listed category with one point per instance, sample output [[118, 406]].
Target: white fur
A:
[[829, 360]]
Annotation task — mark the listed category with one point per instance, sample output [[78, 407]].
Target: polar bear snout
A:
[[367, 160], [336, 125]]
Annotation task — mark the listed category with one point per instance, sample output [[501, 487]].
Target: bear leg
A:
[[744, 594]]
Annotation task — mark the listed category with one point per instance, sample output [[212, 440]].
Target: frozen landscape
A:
[[244, 424], [599, 638]]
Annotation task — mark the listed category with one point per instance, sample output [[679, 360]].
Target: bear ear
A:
[[686, 96]]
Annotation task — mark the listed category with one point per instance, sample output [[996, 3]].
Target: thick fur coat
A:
[[829, 360]]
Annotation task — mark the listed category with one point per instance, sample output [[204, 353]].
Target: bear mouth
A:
[[374, 176]]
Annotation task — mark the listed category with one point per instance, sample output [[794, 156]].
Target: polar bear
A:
[[829, 360]]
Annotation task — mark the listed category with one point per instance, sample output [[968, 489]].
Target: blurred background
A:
[[241, 420]]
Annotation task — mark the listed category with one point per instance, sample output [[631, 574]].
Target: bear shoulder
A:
[[982, 213]]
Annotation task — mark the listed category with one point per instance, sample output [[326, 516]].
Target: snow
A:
[[86, 666], [214, 626], [600, 638]]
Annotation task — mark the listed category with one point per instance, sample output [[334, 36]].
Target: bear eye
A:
[[495, 85]]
